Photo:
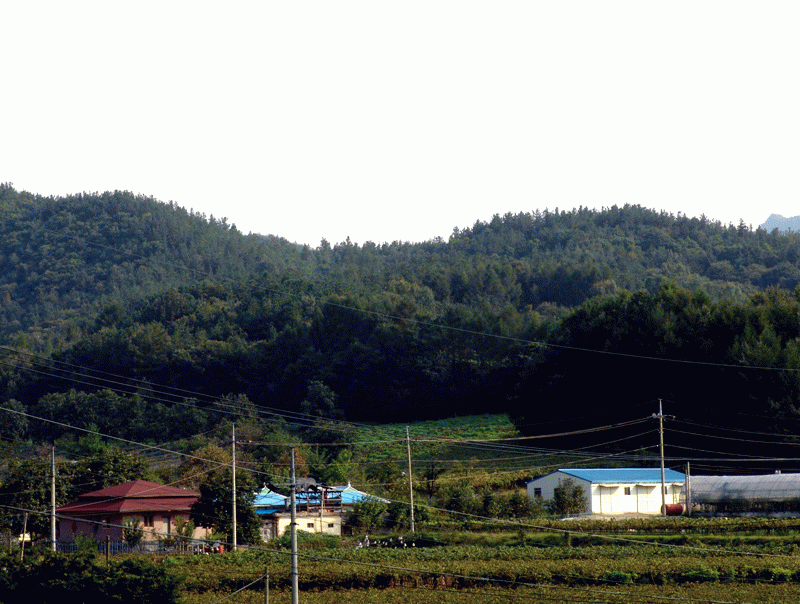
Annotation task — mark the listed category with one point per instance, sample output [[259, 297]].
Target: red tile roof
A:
[[138, 496], [140, 488]]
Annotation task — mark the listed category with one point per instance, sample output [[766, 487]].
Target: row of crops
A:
[[548, 567]]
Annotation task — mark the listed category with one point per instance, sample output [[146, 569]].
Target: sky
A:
[[384, 121]]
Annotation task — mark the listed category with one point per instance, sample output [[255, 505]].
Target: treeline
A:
[[285, 345], [543, 258], [179, 363], [64, 259], [728, 375]]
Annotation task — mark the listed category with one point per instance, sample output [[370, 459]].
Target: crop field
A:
[[756, 564], [438, 436], [703, 593]]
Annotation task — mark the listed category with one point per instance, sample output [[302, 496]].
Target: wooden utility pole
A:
[[410, 481], [24, 532], [293, 504], [663, 481], [688, 488], [233, 465], [53, 498]]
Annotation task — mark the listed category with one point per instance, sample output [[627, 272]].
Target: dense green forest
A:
[[63, 260], [118, 308]]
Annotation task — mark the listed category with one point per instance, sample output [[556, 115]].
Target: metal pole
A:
[[410, 481], [266, 585], [233, 458], [688, 490], [663, 482], [293, 504], [53, 498]]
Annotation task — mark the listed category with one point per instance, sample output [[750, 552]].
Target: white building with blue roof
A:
[[320, 510], [615, 491]]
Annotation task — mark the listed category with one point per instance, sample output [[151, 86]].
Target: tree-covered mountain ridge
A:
[[483, 322], [63, 259]]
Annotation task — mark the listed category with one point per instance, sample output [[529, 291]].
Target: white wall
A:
[[550, 482], [610, 498], [638, 498], [328, 524]]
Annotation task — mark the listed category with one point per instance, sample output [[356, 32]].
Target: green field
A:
[[388, 441], [758, 563], [655, 560], [481, 448], [707, 593]]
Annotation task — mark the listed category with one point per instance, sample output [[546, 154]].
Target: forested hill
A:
[[553, 260], [62, 260], [147, 310], [567, 257]]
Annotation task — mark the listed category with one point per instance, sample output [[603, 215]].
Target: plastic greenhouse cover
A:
[[766, 487]]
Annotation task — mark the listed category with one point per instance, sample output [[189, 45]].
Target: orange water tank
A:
[[674, 509]]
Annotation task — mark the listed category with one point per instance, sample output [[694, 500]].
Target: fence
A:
[[146, 547]]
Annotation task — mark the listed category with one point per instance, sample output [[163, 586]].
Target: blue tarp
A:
[[268, 501]]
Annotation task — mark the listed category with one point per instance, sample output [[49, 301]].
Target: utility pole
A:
[[410, 481], [53, 498], [24, 532], [660, 417], [233, 459], [688, 489], [293, 504]]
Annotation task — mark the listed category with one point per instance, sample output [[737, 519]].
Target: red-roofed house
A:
[[102, 513]]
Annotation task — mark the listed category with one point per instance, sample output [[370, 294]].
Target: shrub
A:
[[618, 577], [56, 578], [398, 515], [700, 575], [307, 540], [780, 575], [568, 499], [459, 498], [132, 532], [367, 514]]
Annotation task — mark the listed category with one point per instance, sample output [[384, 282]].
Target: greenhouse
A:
[[743, 495]]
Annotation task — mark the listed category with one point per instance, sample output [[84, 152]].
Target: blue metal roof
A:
[[351, 495], [269, 502], [620, 475]]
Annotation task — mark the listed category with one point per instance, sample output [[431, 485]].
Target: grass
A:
[[459, 444]]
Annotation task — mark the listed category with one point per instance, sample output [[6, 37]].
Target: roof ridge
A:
[[140, 488]]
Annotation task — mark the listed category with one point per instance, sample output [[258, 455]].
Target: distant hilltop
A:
[[776, 221]]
